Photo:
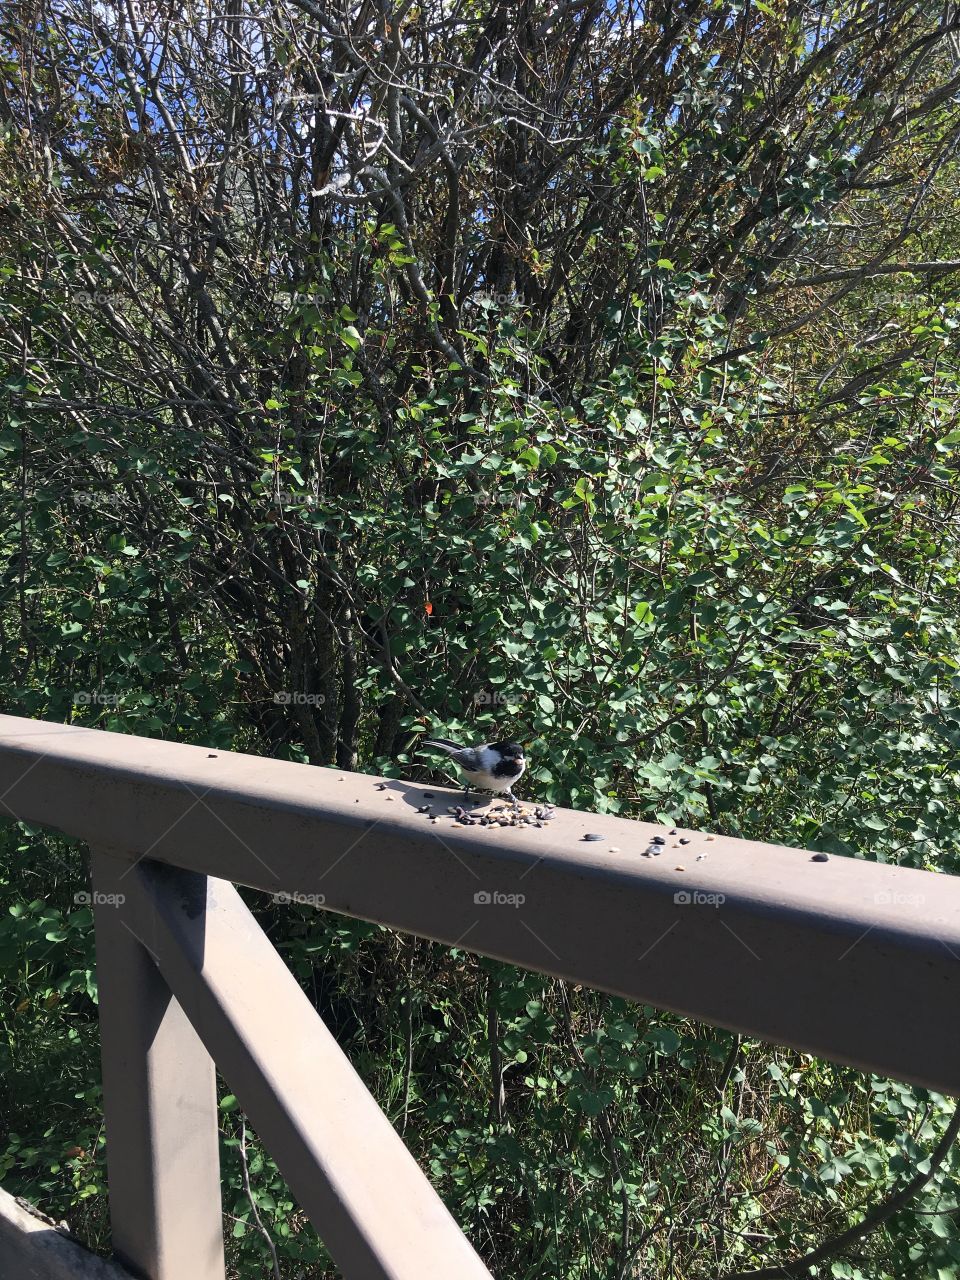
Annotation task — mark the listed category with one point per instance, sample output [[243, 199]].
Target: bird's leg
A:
[[466, 792]]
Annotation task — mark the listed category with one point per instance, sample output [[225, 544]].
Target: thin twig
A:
[[253, 1204]]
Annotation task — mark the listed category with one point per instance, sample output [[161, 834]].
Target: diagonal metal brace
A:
[[368, 1199]]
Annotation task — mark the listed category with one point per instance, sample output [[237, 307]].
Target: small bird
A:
[[494, 766]]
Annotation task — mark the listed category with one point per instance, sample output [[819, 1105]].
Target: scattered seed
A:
[[684, 839], [381, 786], [701, 856], [711, 837], [658, 840], [820, 857], [424, 808], [388, 797], [211, 755], [679, 868], [428, 795], [593, 836], [672, 831], [613, 849]]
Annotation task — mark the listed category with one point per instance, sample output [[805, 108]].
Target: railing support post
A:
[[160, 1104]]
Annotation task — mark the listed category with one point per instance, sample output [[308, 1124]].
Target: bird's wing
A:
[[470, 759], [443, 743], [465, 757]]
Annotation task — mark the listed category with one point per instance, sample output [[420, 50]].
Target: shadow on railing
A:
[[844, 958]]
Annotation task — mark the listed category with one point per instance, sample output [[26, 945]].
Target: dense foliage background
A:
[[587, 370]]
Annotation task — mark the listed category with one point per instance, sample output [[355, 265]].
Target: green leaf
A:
[[663, 1039]]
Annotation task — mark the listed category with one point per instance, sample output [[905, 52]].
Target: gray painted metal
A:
[[854, 961], [32, 1249], [160, 1105], [363, 1191]]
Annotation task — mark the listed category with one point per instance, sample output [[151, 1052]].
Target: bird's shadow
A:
[[421, 796]]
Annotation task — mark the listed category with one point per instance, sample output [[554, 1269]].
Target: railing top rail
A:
[[852, 960]]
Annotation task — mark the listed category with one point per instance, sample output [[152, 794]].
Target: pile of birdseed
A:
[[505, 816]]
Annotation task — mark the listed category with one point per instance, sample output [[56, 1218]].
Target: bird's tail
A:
[[443, 743]]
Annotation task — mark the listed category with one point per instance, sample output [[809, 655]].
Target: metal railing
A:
[[847, 959]]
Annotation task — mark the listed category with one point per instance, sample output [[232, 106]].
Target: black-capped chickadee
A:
[[494, 766]]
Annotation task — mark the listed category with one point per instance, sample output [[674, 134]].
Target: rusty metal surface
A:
[[851, 960], [361, 1188]]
